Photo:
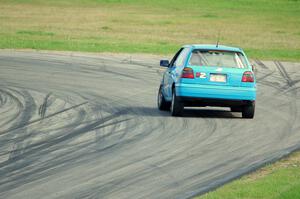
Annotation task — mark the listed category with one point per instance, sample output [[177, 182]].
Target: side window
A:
[[181, 58], [175, 57]]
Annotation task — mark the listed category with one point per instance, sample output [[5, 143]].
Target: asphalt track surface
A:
[[87, 126]]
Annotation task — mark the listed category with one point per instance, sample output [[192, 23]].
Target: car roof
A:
[[213, 47]]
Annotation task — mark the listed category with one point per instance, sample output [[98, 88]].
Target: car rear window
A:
[[217, 58]]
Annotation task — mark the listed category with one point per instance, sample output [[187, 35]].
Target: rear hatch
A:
[[210, 75], [217, 67]]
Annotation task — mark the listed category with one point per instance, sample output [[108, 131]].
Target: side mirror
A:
[[164, 63]]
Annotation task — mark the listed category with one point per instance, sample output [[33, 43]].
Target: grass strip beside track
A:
[[266, 29], [276, 181]]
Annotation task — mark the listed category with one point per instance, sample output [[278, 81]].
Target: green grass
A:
[[266, 29], [278, 181], [88, 45]]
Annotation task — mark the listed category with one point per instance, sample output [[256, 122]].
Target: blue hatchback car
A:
[[208, 75]]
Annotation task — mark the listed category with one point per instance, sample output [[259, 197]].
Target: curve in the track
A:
[[87, 126]]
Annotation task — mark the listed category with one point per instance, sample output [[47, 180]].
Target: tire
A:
[[162, 104], [248, 111], [236, 109], [176, 105]]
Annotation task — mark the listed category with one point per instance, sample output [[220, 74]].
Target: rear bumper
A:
[[218, 95], [193, 101]]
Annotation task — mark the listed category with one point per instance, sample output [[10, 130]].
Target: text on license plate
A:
[[217, 78]]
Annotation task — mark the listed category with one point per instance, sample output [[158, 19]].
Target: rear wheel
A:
[[176, 105], [161, 102], [248, 110]]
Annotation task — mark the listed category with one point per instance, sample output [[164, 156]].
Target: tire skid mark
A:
[[121, 74], [292, 102], [274, 75], [261, 64], [25, 137], [10, 102], [2, 101], [24, 105], [101, 110], [14, 98], [29, 108], [43, 170], [212, 124], [265, 76], [79, 120], [269, 84], [131, 62], [39, 149], [284, 74], [132, 113], [293, 89], [183, 129], [116, 129], [22, 125], [90, 127], [43, 107]]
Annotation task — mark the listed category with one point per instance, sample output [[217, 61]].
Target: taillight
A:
[[248, 77], [187, 73]]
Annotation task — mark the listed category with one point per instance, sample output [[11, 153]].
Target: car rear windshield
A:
[[217, 58]]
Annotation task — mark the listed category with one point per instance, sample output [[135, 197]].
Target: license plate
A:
[[217, 78]]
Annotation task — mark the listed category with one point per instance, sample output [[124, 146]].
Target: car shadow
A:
[[210, 113], [188, 113]]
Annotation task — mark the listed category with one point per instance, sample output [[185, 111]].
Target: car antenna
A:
[[218, 40]]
